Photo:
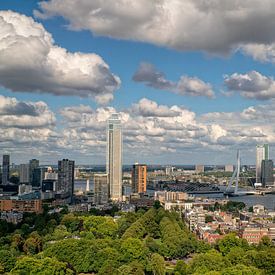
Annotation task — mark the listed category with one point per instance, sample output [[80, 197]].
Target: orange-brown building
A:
[[139, 178], [21, 205], [253, 234]]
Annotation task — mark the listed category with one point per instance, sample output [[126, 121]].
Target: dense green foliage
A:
[[144, 242]]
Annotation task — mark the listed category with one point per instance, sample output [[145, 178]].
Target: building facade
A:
[[139, 178], [33, 165], [267, 173], [101, 189], [199, 168], [5, 169], [114, 157], [66, 177], [24, 173], [229, 168], [21, 205], [262, 153]]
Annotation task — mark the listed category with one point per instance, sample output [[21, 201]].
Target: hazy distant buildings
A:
[[262, 153], [139, 178], [101, 189], [5, 169], [114, 157], [24, 173], [267, 173], [33, 164], [169, 170], [66, 177], [199, 168], [229, 168]]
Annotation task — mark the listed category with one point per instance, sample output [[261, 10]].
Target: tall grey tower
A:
[[66, 177], [6, 169], [114, 157], [262, 153]]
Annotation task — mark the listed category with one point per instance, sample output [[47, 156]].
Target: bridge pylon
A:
[[235, 177]]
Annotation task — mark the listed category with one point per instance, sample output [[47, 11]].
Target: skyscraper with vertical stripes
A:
[[114, 157]]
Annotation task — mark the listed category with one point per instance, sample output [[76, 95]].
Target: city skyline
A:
[[182, 100]]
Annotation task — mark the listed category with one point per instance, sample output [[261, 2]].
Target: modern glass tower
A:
[[5, 169], [65, 184], [262, 153], [114, 157]]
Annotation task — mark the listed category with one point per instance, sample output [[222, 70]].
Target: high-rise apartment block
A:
[[262, 153], [38, 175], [139, 178], [24, 174], [33, 164], [267, 173], [101, 189], [114, 157], [5, 169], [65, 183]]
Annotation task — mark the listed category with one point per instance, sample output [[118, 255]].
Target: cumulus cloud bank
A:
[[211, 26], [251, 85], [31, 62], [191, 86], [151, 131]]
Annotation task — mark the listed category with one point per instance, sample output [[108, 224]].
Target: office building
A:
[[50, 174], [101, 189], [267, 173], [5, 169], [66, 177], [33, 164], [262, 153], [114, 157], [229, 168], [24, 173], [199, 168], [38, 174], [49, 185], [139, 178]]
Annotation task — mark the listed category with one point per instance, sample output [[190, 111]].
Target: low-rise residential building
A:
[[177, 206], [169, 196], [21, 205], [12, 217], [253, 234]]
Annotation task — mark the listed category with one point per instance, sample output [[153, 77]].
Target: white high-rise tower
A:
[[114, 157], [262, 153]]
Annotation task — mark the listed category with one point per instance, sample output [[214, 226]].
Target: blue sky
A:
[[124, 56]]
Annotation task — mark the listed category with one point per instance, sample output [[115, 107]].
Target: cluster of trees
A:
[[144, 242], [230, 206]]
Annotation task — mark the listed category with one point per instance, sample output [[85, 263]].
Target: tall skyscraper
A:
[[267, 173], [6, 169], [101, 189], [114, 157], [38, 175], [66, 177], [24, 173], [262, 153], [33, 164], [139, 178]]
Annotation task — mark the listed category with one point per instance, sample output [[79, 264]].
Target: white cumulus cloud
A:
[[30, 61], [211, 26], [251, 85]]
